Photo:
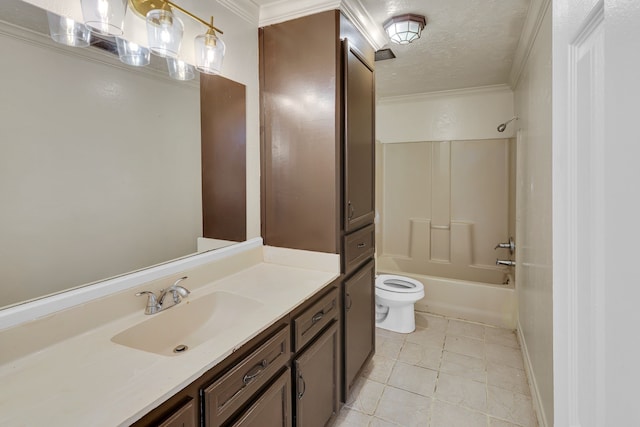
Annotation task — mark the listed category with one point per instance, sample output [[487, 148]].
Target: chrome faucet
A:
[[156, 304], [507, 262], [511, 245]]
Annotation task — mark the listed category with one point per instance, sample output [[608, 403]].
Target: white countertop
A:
[[87, 380]]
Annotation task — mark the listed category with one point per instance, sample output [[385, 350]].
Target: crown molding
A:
[[285, 10], [537, 11], [246, 9], [362, 20], [401, 99]]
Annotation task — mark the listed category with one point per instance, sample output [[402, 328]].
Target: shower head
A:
[[503, 126]]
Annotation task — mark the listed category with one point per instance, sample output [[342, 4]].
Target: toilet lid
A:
[[395, 284]]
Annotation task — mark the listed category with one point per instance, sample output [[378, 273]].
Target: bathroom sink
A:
[[189, 324]]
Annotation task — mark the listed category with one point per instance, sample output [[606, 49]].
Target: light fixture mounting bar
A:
[[142, 7]]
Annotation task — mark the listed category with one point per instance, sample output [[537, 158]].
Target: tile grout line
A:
[[455, 332]]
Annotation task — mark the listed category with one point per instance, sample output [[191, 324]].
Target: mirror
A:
[[100, 162]]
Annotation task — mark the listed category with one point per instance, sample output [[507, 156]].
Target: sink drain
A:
[[180, 348]]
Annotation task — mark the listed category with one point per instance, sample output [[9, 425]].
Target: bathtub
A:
[[474, 301]]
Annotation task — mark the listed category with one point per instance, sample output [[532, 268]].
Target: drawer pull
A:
[[304, 387], [361, 245], [254, 372], [316, 317], [348, 302]]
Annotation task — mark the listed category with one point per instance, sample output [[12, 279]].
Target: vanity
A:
[[274, 359], [267, 335]]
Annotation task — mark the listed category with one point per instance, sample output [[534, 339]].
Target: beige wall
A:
[[444, 206], [452, 115], [533, 211]]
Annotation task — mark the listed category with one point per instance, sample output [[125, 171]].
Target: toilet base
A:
[[398, 319]]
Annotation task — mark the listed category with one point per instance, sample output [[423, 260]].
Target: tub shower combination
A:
[[447, 208]]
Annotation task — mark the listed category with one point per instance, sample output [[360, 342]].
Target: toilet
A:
[[395, 300]]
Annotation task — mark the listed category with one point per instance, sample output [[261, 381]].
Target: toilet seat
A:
[[398, 284]]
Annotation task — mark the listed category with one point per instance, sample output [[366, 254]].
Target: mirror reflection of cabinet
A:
[[224, 189]]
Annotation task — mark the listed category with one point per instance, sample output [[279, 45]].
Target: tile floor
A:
[[448, 373]]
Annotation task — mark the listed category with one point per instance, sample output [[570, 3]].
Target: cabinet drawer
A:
[[359, 246], [273, 407], [230, 392], [314, 319]]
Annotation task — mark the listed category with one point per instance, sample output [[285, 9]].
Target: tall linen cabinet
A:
[[317, 179]]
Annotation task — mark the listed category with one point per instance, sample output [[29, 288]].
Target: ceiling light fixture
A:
[[404, 29]]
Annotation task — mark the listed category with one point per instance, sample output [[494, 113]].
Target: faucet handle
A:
[[152, 302], [180, 280], [152, 296], [511, 245]]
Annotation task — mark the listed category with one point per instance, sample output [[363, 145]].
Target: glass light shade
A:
[[405, 29], [132, 54], [209, 50], [164, 32], [180, 70], [104, 17], [67, 31]]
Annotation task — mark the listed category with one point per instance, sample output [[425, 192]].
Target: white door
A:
[[596, 212]]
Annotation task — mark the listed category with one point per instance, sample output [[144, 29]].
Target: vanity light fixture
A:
[[67, 31], [180, 70], [104, 17], [132, 54], [164, 31], [404, 29]]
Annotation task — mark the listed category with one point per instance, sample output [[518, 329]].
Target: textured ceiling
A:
[[466, 43]]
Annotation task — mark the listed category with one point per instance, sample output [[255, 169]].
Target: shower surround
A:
[[444, 206]]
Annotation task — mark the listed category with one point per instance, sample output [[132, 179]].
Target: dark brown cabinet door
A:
[[359, 139], [273, 407], [316, 381], [359, 322], [185, 416]]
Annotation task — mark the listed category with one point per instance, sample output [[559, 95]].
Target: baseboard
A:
[[533, 386]]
